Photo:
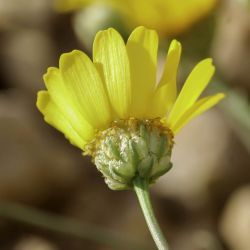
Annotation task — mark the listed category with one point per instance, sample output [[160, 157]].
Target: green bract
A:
[[131, 149]]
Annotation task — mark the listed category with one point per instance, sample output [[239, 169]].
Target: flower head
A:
[[89, 101]]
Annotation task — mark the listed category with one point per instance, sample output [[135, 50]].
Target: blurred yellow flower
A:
[[84, 97], [168, 17]]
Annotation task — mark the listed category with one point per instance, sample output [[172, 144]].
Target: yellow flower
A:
[[84, 97], [113, 109], [168, 17]]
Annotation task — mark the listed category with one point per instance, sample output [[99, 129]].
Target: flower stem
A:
[[141, 188]]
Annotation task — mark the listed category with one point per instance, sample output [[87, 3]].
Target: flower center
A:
[[131, 148]]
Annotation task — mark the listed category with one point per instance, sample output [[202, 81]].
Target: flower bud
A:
[[132, 148]]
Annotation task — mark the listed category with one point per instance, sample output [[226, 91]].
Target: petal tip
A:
[[102, 35], [206, 64], [175, 45], [67, 59], [42, 100], [208, 60], [175, 42], [141, 28], [50, 70], [109, 31], [221, 96], [66, 56]]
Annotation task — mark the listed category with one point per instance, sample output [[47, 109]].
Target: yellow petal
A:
[[198, 108], [142, 47], [169, 75], [84, 84], [159, 104], [54, 117], [165, 93], [192, 89], [68, 105], [111, 59]]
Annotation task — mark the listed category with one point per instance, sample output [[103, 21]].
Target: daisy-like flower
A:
[[113, 109]]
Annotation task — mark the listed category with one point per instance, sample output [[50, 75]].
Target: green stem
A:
[[141, 188]]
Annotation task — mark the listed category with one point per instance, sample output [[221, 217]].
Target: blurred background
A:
[[52, 198]]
